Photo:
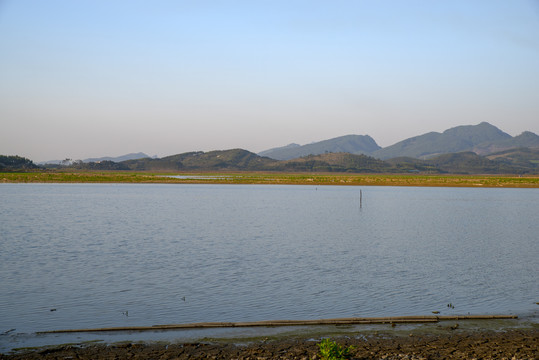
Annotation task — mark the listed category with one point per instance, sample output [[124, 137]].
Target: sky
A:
[[92, 78]]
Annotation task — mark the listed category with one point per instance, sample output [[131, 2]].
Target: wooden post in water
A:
[[360, 198]]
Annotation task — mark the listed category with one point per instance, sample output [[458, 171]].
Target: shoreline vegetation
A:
[[269, 178]]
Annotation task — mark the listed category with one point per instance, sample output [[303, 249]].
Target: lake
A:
[[104, 255]]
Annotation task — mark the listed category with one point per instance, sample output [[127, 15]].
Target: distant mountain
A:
[[131, 156], [457, 139], [482, 139], [353, 144], [279, 149], [54, 162]]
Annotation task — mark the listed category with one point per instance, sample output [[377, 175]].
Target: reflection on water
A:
[[125, 254]]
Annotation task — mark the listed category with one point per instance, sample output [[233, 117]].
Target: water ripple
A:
[[112, 255]]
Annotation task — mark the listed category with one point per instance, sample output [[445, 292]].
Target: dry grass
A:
[[274, 178]]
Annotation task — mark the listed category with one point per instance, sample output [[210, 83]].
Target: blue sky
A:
[[92, 78]]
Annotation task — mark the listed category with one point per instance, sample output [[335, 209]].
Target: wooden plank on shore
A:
[[271, 323]]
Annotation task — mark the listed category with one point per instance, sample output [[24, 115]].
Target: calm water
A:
[[189, 253]]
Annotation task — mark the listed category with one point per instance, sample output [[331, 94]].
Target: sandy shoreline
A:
[[522, 343]]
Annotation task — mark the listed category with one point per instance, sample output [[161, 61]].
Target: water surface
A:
[[141, 254]]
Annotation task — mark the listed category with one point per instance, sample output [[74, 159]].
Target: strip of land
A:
[[494, 181], [445, 344]]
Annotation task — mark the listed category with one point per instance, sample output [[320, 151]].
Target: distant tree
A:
[[66, 162], [16, 163]]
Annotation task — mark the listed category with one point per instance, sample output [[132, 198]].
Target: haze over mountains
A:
[[482, 139], [131, 156], [469, 149]]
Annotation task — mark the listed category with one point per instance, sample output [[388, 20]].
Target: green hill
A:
[[242, 160], [525, 140], [471, 163], [10, 163], [235, 159], [335, 162], [345, 162], [525, 159]]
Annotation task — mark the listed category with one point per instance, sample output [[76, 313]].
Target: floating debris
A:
[[53, 309], [340, 321]]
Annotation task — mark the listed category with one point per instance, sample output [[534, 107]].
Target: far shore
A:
[[477, 181]]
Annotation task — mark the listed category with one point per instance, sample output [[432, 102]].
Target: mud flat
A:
[[447, 342]]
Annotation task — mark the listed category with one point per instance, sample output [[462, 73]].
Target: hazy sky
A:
[[89, 78]]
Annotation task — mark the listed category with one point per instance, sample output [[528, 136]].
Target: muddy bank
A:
[[509, 344]]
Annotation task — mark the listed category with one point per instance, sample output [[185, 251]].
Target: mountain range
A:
[[482, 139], [469, 149], [514, 161]]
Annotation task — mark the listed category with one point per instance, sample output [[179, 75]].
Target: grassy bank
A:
[[274, 178]]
